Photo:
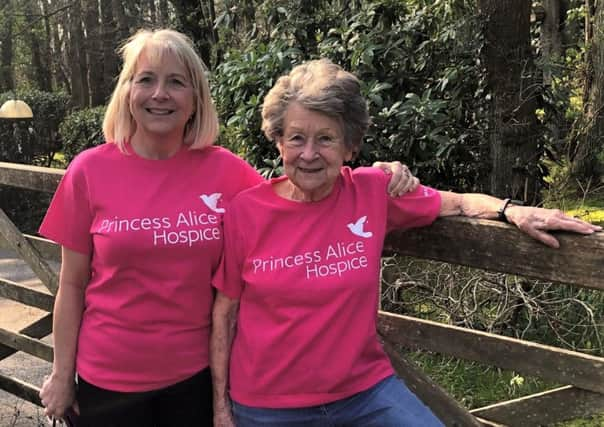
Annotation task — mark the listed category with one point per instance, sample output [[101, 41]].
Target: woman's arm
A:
[[58, 390], [533, 221], [224, 321]]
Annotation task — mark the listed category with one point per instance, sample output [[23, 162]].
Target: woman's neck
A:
[[154, 147]]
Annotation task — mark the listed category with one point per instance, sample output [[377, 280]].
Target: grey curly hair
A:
[[324, 87]]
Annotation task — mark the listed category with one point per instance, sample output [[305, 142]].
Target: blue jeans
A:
[[389, 403]]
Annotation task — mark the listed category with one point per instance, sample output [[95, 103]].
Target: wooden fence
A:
[[489, 245]]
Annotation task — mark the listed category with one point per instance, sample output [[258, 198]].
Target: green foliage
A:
[[31, 142], [81, 130], [239, 86], [417, 61]]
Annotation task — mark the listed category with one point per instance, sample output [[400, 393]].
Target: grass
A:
[[475, 385]]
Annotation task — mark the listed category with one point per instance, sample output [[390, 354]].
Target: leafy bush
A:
[[239, 86], [81, 130], [418, 64], [31, 142]]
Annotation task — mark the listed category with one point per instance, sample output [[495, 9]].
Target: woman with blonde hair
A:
[[139, 222]]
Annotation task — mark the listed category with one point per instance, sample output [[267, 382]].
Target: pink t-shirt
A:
[[307, 277], [153, 231]]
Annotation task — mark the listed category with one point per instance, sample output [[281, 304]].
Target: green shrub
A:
[[417, 61], [34, 142], [82, 129]]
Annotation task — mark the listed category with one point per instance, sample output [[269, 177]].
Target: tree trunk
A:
[[551, 37], [584, 166], [119, 14], [151, 12], [109, 42], [94, 53], [513, 141], [47, 48], [7, 81], [77, 58], [163, 13], [60, 57], [193, 22]]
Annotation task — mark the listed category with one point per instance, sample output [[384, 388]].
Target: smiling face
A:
[[161, 98], [313, 151]]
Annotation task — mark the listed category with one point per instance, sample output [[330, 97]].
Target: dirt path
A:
[[15, 412]]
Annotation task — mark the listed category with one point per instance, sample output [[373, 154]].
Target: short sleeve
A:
[[228, 276], [416, 209], [247, 177], [69, 215]]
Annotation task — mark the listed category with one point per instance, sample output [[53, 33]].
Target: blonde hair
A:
[[119, 125], [324, 87]]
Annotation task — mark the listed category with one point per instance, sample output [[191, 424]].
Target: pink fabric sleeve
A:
[[69, 216], [227, 278], [247, 176], [416, 209]]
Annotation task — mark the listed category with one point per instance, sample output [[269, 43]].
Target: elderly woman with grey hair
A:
[[294, 321]]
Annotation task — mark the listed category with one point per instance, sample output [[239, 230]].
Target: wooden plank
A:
[[447, 409], [550, 407], [30, 177], [29, 253], [38, 329], [551, 363], [495, 246], [26, 344], [47, 248], [21, 389], [14, 291]]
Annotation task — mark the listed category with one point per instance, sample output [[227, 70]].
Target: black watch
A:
[[506, 203]]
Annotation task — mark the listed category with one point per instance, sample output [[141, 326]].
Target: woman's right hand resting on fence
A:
[[536, 222], [58, 394]]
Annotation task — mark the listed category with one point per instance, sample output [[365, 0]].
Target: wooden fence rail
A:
[[488, 245]]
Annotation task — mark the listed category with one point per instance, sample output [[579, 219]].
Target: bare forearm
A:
[[472, 205], [224, 321], [68, 309]]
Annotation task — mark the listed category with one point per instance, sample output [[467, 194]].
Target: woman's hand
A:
[[223, 416], [402, 180], [536, 222], [57, 395]]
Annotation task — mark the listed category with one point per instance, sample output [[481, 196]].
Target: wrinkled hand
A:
[[536, 222], [402, 181], [223, 417], [58, 394]]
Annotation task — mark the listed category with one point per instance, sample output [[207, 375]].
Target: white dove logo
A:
[[211, 201], [357, 228]]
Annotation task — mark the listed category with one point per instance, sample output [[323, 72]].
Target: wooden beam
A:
[[47, 248], [14, 291], [21, 389], [495, 246], [551, 363], [550, 407], [38, 329], [29, 253], [30, 177], [444, 407], [26, 344]]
